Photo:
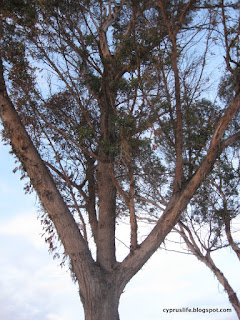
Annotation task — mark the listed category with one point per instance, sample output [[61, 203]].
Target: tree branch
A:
[[65, 178], [230, 141]]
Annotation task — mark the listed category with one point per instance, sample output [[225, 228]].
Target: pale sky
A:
[[34, 287]]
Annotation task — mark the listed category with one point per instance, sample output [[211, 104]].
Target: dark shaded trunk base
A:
[[103, 312], [101, 302]]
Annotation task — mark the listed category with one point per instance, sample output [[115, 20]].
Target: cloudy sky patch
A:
[[33, 286]]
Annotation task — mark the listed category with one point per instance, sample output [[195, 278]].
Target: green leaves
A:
[[227, 87]]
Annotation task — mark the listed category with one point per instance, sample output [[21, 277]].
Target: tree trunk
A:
[[101, 308], [107, 215], [100, 298]]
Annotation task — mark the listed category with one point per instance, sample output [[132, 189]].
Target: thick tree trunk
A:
[[102, 307], [100, 297]]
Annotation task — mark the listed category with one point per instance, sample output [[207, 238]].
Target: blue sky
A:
[[34, 287]]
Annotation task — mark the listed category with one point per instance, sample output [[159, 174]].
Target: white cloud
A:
[[51, 316], [33, 286], [4, 188], [26, 226]]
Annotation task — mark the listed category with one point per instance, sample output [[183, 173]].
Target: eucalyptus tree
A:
[[106, 135]]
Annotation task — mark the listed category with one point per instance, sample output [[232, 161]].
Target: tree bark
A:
[[101, 299], [223, 280], [232, 243], [106, 221]]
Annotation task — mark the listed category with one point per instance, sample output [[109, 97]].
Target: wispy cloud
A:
[[25, 226]]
